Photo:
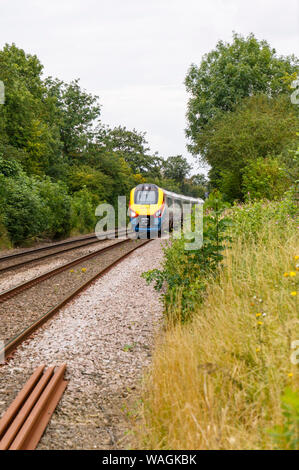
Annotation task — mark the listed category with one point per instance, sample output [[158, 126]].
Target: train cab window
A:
[[146, 197]]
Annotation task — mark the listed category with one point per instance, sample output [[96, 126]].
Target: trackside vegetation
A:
[[58, 160], [225, 372], [222, 375]]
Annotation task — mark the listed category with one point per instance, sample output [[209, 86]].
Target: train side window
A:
[[169, 202]]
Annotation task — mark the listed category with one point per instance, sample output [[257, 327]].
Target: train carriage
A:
[[153, 210]]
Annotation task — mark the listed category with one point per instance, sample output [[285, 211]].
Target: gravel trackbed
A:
[[105, 336]]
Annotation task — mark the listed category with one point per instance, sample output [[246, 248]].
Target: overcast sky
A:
[[135, 54]]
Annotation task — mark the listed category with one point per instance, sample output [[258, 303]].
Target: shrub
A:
[[264, 178], [217, 381], [57, 204], [286, 436], [25, 214], [251, 220], [83, 210], [185, 273]]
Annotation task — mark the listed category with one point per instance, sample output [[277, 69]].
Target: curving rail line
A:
[[59, 247], [11, 344]]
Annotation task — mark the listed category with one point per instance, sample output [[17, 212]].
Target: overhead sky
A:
[[135, 54]]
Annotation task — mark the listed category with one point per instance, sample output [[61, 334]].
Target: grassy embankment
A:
[[217, 381]]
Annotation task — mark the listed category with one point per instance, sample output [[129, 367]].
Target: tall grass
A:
[[217, 381]]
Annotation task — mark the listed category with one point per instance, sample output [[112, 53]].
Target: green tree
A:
[[260, 126], [25, 121], [228, 74], [176, 168], [129, 145], [76, 111], [264, 178]]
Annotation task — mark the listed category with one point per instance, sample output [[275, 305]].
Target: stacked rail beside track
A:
[[24, 422]]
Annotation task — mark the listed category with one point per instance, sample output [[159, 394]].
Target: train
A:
[[153, 210]]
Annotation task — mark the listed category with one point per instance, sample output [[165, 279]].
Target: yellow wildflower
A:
[[259, 322], [83, 270], [258, 315], [286, 274], [290, 374], [71, 270], [293, 294], [296, 257], [257, 350], [292, 273]]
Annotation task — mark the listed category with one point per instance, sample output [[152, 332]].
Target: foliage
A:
[[259, 127], [187, 272], [83, 214], [264, 178], [10, 168], [250, 218], [230, 73], [286, 436], [216, 382], [76, 112], [57, 155], [129, 145], [23, 210], [176, 168], [57, 206]]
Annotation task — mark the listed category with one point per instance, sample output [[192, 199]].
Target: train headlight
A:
[[133, 214], [158, 213]]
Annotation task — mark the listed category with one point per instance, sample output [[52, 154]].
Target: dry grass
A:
[[216, 382]]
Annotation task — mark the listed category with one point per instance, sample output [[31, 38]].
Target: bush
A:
[[58, 206], [10, 168], [185, 273], [83, 211], [225, 378], [252, 219], [264, 178], [31, 206], [24, 212]]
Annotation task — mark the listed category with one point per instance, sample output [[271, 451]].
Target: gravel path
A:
[[105, 337]]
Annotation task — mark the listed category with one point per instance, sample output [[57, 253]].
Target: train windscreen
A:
[[146, 197]]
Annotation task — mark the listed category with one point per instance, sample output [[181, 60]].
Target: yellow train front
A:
[[147, 208], [153, 210]]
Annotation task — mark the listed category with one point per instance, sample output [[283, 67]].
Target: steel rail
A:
[[27, 417], [94, 238], [11, 345], [8, 294]]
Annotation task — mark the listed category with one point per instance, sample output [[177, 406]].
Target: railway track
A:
[[125, 247], [14, 260]]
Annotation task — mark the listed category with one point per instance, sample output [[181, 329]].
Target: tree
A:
[[77, 113], [130, 145], [264, 178], [24, 119], [228, 74], [258, 127], [176, 168]]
